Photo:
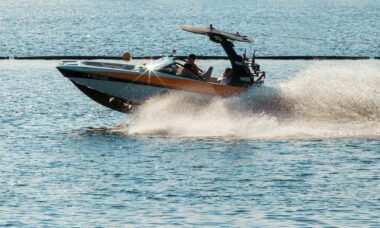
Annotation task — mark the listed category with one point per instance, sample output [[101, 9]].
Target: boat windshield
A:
[[160, 63]]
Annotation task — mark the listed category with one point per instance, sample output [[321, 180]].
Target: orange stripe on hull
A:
[[208, 88]]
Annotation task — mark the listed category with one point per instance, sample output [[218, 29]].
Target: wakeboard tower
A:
[[240, 64], [122, 86]]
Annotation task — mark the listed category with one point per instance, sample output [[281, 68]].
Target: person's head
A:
[[191, 58], [127, 56], [228, 73]]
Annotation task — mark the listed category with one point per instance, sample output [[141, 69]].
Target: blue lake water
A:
[[110, 27], [66, 160], [311, 158]]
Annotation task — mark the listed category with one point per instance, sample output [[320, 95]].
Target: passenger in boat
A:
[[191, 70], [227, 76]]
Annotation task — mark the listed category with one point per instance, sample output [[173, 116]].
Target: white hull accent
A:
[[129, 91]]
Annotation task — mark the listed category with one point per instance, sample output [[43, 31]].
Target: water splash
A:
[[327, 100], [337, 92]]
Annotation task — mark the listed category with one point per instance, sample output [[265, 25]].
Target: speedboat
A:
[[123, 86]]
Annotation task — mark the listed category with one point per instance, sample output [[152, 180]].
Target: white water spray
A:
[[327, 100]]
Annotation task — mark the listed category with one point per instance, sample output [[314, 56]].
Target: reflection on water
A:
[[119, 129]]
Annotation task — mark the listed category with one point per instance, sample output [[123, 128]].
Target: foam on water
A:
[[327, 100]]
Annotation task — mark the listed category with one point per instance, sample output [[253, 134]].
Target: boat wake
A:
[[327, 100]]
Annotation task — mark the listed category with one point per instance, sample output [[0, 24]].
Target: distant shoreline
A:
[[301, 57]]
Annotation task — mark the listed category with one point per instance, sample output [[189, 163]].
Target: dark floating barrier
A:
[[58, 57], [183, 57]]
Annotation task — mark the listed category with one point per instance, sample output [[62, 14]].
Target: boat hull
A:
[[106, 100], [123, 90]]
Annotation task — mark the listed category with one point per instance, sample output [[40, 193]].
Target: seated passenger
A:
[[227, 76], [191, 70]]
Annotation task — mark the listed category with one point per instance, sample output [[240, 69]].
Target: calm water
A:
[[110, 27], [304, 150]]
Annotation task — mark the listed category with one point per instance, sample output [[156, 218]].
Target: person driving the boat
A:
[[191, 66], [227, 77], [190, 69]]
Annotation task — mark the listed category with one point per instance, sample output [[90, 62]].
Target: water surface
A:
[[66, 160], [111, 27]]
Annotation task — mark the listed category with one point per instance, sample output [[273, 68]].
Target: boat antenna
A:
[[253, 57], [173, 52]]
